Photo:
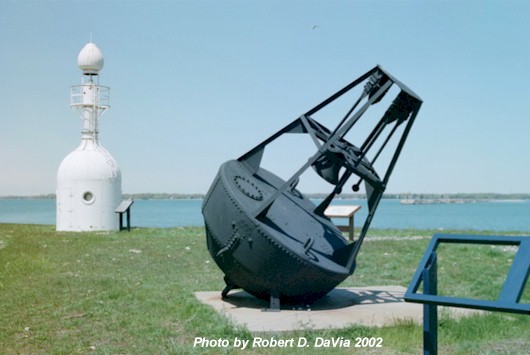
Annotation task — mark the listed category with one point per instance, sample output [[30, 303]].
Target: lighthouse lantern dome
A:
[[90, 59]]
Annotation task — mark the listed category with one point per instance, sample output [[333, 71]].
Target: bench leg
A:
[[352, 230]]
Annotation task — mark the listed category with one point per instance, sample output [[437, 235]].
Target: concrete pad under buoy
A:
[[372, 306]]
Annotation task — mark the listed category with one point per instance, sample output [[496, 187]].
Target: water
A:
[[496, 216], [27, 211]]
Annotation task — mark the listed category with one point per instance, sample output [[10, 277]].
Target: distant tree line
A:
[[162, 196], [32, 197], [433, 196], [399, 196], [464, 196]]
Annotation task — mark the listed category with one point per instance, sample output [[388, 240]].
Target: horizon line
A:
[[519, 195]]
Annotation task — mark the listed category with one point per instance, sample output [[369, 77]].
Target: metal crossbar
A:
[[507, 301]]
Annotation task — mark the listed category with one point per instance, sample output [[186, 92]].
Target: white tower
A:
[[88, 179]]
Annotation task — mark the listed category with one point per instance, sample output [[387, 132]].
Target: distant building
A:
[[88, 179]]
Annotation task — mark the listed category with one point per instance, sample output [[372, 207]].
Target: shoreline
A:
[[446, 198]]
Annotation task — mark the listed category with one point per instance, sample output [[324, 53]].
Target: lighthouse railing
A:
[[90, 96]]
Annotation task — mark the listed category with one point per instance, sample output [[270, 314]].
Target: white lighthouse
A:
[[88, 179]]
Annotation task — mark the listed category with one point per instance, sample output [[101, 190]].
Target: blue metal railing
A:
[[507, 301]]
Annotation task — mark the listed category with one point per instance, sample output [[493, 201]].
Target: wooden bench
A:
[[124, 207], [344, 211]]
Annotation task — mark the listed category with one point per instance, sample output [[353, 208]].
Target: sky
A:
[[196, 83]]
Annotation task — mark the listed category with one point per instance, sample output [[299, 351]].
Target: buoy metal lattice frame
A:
[[334, 152]]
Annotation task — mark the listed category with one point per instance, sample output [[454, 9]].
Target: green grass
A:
[[132, 293]]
